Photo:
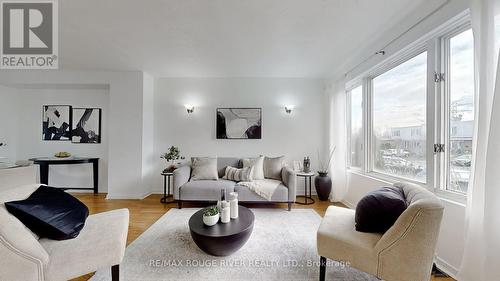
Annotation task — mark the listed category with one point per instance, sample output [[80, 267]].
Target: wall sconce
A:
[[189, 108], [289, 108]]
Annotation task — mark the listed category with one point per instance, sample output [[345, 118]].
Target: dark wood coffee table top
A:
[[243, 223]]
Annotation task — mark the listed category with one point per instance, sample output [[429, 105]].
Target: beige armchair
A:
[[23, 256], [404, 253]]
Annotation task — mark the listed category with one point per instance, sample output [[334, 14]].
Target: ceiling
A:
[[222, 38]]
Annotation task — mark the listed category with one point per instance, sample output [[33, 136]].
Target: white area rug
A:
[[282, 247]]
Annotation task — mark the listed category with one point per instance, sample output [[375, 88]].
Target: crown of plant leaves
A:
[[172, 154], [211, 211]]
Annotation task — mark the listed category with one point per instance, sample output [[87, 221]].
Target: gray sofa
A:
[[186, 189]]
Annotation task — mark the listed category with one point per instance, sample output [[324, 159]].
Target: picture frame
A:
[[87, 125], [298, 166], [56, 122], [239, 123]]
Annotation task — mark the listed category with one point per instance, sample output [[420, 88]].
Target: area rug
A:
[[282, 247]]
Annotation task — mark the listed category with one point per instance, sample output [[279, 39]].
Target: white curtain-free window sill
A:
[[454, 197]]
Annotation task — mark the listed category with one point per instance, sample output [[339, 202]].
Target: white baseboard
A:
[[348, 204], [446, 267]]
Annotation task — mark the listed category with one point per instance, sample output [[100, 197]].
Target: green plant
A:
[[210, 211], [173, 154], [324, 168]]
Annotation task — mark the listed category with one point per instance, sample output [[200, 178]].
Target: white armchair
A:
[[404, 253], [23, 256]]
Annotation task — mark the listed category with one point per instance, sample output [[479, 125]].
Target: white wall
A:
[[124, 119], [148, 157], [294, 135], [8, 124], [24, 106], [451, 238]]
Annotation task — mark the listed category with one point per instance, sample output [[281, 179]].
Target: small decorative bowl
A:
[[211, 220], [62, 154]]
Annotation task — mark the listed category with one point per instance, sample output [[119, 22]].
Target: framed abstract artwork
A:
[[56, 122], [86, 125], [239, 123]]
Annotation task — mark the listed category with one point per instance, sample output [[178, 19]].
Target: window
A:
[[415, 112], [460, 110], [399, 109], [355, 98]]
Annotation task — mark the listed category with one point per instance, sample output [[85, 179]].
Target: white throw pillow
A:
[[235, 174], [204, 168], [258, 167]]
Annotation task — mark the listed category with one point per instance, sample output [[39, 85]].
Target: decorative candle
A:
[[225, 212], [234, 204]]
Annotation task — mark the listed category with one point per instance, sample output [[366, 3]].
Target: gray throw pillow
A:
[[204, 168], [235, 174], [272, 167]]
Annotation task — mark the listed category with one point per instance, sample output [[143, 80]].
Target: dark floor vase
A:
[[323, 185]]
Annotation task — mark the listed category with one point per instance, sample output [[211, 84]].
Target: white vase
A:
[[233, 204], [225, 214], [210, 220], [234, 208]]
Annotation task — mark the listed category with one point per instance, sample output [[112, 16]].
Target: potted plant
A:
[[323, 182], [211, 215], [171, 156]]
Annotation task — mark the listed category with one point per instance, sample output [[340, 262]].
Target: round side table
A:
[[308, 200], [166, 182]]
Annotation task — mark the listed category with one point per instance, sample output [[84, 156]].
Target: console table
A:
[[45, 162]]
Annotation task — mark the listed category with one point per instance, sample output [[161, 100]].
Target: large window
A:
[[413, 117], [461, 109], [355, 97], [399, 123]]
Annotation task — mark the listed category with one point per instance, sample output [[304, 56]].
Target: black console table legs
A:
[[45, 163]]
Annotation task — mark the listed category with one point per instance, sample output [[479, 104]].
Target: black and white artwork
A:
[[239, 123], [56, 122], [86, 125]]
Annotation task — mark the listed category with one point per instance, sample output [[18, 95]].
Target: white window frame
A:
[[444, 67], [409, 54], [436, 108]]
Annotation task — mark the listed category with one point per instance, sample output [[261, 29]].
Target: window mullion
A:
[[367, 124], [444, 90], [433, 114]]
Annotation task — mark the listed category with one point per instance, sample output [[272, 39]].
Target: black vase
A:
[[323, 184]]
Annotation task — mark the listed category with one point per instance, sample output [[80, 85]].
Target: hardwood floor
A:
[[143, 213]]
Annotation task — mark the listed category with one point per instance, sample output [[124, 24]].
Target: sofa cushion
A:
[[235, 174], [245, 194], [50, 212], [272, 167], [258, 167], [204, 168], [378, 210], [204, 190]]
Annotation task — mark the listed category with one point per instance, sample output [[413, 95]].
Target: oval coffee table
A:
[[222, 239]]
